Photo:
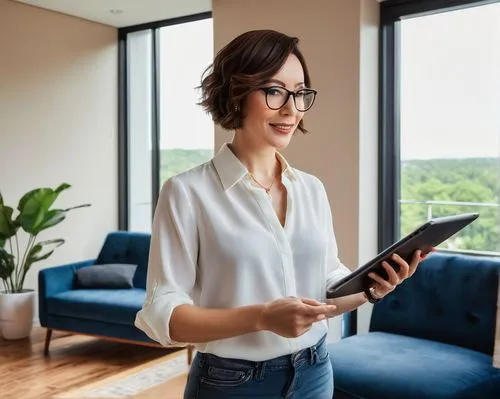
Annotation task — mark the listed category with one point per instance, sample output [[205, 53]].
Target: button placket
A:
[[279, 234], [285, 240]]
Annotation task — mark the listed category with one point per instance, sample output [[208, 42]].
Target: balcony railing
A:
[[451, 203], [470, 205]]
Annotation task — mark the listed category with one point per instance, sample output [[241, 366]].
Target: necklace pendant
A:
[[266, 189]]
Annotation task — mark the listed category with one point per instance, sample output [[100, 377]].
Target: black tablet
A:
[[427, 236]]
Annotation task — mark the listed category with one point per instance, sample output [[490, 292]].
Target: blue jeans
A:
[[306, 374]]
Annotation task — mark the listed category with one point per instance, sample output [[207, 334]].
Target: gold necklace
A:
[[268, 189]]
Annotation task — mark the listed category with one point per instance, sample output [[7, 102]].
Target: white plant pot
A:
[[16, 314]]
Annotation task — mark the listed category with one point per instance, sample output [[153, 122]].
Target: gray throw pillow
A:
[[116, 275]]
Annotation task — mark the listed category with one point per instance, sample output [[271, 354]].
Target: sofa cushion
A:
[[379, 365], [106, 276], [450, 298], [112, 306], [127, 247]]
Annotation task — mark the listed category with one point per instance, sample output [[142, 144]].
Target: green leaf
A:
[[36, 253], [62, 187], [56, 216], [29, 199], [52, 218], [7, 265], [76, 207], [34, 209], [8, 227]]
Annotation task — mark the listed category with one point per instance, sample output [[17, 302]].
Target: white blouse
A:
[[217, 242]]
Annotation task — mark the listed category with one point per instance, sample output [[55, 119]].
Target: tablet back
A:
[[429, 235]]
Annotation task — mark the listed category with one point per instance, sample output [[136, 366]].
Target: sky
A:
[[450, 84], [182, 64]]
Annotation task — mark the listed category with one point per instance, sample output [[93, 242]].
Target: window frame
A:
[[391, 12], [123, 111]]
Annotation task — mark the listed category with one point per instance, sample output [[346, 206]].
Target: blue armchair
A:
[[432, 338], [105, 313]]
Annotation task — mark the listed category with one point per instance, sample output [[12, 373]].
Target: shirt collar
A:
[[231, 170]]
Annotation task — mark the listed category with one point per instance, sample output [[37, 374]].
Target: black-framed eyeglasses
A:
[[277, 97]]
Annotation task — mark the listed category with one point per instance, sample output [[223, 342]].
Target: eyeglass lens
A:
[[277, 97]]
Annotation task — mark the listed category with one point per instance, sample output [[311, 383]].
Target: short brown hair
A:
[[243, 65]]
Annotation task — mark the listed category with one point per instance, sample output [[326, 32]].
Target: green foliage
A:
[[467, 180], [34, 216], [178, 160]]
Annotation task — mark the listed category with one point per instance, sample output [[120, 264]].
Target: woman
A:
[[243, 248]]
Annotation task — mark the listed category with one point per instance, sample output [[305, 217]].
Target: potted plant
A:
[[34, 216]]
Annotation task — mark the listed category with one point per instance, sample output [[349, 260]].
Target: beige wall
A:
[[339, 39], [58, 121]]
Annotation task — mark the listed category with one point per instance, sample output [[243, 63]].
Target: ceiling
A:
[[121, 13]]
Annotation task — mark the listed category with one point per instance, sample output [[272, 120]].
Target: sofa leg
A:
[[48, 336], [190, 349]]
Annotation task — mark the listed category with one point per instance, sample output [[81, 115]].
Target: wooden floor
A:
[[75, 361]]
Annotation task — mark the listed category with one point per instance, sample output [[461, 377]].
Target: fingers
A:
[[392, 277], [395, 278], [315, 316], [417, 257], [313, 311], [404, 269], [429, 251], [310, 301], [386, 285], [319, 317], [314, 308], [292, 316], [319, 309]]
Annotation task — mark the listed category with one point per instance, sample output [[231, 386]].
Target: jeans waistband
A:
[[310, 355]]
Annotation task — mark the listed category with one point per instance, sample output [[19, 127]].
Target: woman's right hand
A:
[[291, 317]]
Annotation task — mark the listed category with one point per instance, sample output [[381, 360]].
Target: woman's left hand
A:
[[382, 287]]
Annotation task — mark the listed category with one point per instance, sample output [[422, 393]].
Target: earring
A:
[[236, 109]]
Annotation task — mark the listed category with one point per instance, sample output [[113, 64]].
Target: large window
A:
[[441, 123], [139, 155], [162, 129], [186, 130]]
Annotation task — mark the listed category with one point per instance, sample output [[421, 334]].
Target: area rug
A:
[[140, 382]]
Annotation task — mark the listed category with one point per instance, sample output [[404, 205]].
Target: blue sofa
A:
[[433, 338], [105, 313]]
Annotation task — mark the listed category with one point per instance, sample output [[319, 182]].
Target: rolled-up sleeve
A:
[[172, 262]]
